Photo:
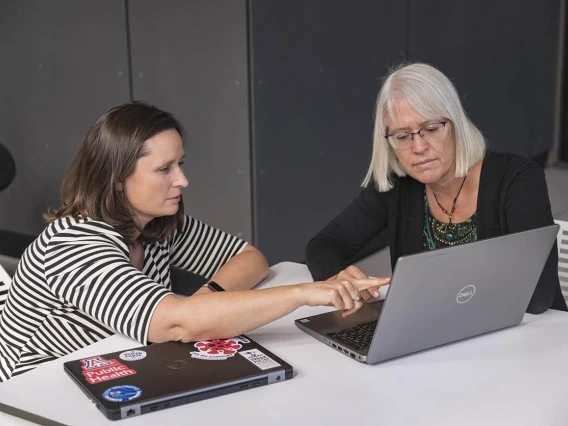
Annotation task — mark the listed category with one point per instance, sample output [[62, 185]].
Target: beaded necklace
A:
[[450, 213], [437, 234]]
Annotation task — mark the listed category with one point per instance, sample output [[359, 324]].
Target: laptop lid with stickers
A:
[[151, 378]]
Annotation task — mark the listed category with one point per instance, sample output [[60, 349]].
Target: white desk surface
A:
[[515, 377]]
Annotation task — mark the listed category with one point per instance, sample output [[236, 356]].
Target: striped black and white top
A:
[[75, 285]]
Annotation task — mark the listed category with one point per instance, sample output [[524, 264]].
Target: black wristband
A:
[[213, 286]]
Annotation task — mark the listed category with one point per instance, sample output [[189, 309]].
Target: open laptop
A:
[[151, 378], [440, 296]]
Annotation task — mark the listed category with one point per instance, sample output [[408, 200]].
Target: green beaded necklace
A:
[[437, 234]]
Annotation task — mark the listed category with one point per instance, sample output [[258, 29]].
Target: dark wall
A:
[[59, 72], [65, 62], [502, 56], [190, 58], [316, 72], [286, 93]]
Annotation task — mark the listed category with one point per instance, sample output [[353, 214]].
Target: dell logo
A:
[[465, 294]]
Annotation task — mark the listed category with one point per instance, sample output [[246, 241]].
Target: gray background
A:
[[59, 72], [190, 58], [276, 95]]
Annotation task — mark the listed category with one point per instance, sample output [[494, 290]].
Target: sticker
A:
[[262, 361], [134, 355], [96, 369], [122, 393], [218, 349], [304, 320]]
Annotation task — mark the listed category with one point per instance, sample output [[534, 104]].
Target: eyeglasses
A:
[[431, 133]]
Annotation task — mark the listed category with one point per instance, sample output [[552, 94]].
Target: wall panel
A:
[[502, 57], [316, 73], [190, 58], [63, 64]]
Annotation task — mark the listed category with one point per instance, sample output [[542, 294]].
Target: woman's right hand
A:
[[340, 294], [352, 272]]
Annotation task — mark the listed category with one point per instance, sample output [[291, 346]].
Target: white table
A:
[[510, 377]]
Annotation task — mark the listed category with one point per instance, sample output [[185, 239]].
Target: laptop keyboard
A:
[[357, 337]]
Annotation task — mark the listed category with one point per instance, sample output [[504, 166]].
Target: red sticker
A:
[[97, 369], [218, 349]]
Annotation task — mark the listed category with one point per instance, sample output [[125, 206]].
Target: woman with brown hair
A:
[[102, 264]]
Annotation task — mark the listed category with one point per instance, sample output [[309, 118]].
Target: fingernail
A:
[[376, 294]]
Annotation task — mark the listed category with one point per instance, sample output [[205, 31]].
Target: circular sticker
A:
[[134, 355], [122, 393]]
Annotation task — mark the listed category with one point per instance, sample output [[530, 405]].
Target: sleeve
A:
[[88, 269], [203, 249], [527, 206], [330, 250]]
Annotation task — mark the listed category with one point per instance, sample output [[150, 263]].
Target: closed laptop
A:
[[152, 378]]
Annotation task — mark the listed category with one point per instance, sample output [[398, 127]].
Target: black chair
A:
[[12, 244], [7, 167], [12, 247]]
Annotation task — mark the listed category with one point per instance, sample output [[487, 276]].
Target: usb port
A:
[[154, 407], [244, 387], [345, 351], [334, 345], [353, 356]]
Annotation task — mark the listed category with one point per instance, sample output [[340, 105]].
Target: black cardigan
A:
[[512, 197]]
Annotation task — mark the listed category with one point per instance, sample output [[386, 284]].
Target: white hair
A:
[[432, 95]]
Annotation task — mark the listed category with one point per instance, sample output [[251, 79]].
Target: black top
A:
[[512, 197]]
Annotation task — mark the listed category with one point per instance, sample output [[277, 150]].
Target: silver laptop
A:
[[440, 296]]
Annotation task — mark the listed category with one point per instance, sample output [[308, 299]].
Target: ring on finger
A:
[[358, 298]]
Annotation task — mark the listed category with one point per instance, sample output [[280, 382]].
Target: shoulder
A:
[[82, 230], [404, 190], [402, 185], [505, 175], [397, 182], [508, 164]]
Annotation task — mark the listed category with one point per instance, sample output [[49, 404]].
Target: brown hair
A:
[[107, 156]]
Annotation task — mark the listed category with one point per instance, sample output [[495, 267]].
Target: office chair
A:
[[7, 167], [12, 244], [563, 257]]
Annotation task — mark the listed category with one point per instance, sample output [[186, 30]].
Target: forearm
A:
[[222, 314], [229, 313], [243, 271]]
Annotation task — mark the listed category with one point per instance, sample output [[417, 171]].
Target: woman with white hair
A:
[[432, 183]]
